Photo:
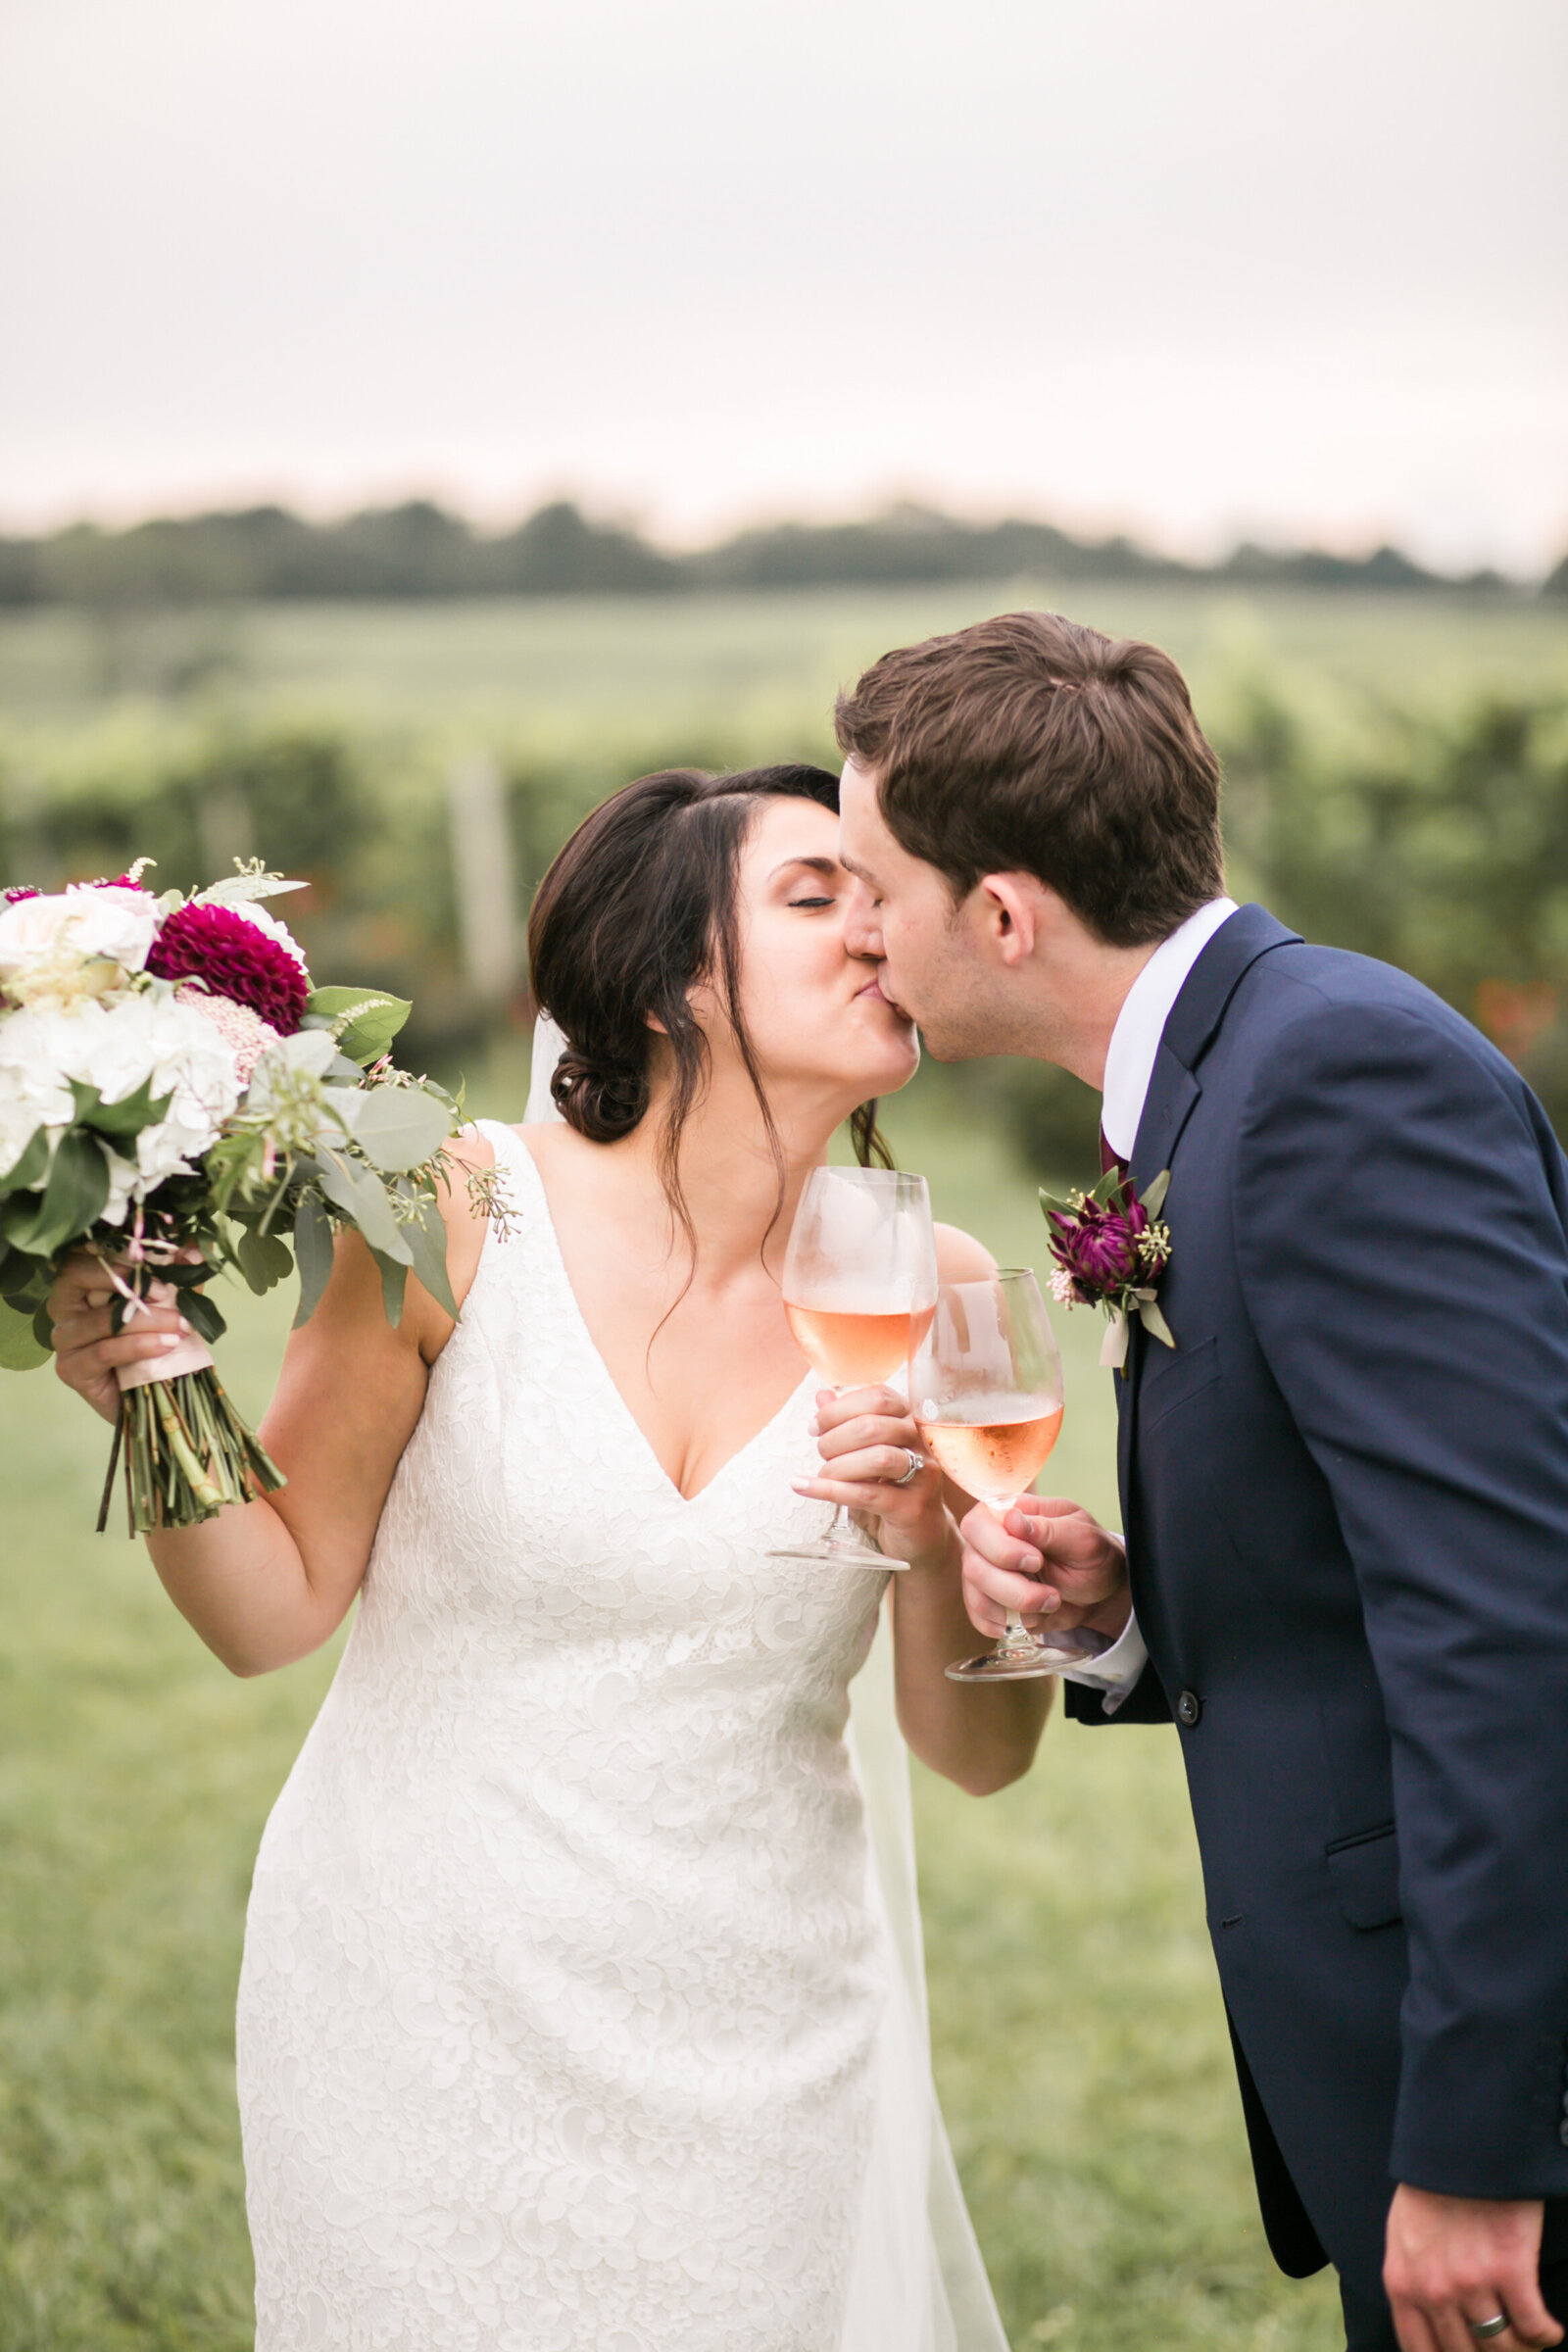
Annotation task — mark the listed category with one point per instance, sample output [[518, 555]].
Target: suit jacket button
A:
[[1189, 1708]]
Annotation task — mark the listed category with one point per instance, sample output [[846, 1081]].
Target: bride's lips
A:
[[874, 988]]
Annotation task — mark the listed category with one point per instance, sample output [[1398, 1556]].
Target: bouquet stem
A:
[[188, 1453]]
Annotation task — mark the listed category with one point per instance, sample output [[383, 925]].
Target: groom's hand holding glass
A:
[[1050, 1561]]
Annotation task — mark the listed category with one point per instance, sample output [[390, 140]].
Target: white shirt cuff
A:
[[1117, 1669]]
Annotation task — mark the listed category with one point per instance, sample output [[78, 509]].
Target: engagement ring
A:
[[916, 1466]]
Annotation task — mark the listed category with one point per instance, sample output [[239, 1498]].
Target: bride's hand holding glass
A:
[[872, 1464]]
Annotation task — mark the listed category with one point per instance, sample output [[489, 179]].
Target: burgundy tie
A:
[[1109, 1159]]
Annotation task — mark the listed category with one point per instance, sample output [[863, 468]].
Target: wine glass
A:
[[985, 1386], [860, 1287]]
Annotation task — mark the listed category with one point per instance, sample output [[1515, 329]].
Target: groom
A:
[[1346, 1489]]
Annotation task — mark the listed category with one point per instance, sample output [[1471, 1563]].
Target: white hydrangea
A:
[[116, 1047]]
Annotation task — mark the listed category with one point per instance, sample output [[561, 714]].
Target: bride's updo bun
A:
[[634, 913], [599, 1099]]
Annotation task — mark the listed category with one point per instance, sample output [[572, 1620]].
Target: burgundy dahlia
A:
[[1098, 1246], [236, 958]]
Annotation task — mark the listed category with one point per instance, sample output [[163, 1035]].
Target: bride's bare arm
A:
[[267, 1583]]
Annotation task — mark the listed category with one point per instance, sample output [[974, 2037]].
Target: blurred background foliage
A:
[[1397, 763], [1397, 759]]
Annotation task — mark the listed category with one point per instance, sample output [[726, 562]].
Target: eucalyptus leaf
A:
[[71, 1203], [1154, 1199], [30, 1169], [20, 1346], [398, 1126], [313, 1253], [1154, 1323], [20, 1277], [394, 1278], [204, 1315], [426, 1235], [362, 1197], [375, 1018], [264, 1259], [127, 1117], [235, 890]]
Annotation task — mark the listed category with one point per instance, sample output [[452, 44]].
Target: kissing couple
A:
[[581, 2008]]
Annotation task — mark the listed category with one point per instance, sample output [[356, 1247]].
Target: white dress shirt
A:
[[1129, 1067]]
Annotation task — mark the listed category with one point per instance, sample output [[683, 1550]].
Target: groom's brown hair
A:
[[1031, 744]]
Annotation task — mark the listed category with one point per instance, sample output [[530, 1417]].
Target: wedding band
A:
[[1484, 2330], [916, 1466]]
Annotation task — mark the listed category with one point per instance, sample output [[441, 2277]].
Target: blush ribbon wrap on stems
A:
[[191, 1356]]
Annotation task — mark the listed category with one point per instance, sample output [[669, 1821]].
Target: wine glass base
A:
[[833, 1555], [1022, 1665]]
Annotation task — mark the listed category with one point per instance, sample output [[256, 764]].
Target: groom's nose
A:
[[862, 932]]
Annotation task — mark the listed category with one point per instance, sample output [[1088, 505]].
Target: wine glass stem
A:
[[1017, 1642]]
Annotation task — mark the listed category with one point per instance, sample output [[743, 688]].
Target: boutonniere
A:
[[1110, 1252]]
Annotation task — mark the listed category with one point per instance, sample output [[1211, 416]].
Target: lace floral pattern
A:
[[562, 1984]]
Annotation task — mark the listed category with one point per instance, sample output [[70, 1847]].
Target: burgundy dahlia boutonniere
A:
[[1110, 1252]]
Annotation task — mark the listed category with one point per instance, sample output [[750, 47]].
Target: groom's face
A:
[[902, 916]]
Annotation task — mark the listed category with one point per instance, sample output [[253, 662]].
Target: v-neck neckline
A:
[[592, 1347]]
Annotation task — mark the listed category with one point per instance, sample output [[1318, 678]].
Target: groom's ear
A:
[[1011, 909]]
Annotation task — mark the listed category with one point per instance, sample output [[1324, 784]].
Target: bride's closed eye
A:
[[813, 902]]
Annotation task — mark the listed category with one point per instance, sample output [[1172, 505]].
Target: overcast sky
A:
[[1293, 269]]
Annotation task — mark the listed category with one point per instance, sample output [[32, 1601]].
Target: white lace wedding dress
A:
[[577, 2014]]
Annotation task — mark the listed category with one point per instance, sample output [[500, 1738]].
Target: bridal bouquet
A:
[[176, 1097]]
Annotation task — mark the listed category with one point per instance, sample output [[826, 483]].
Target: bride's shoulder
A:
[[960, 1258]]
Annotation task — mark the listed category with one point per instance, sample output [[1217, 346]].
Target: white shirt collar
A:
[[1141, 1022]]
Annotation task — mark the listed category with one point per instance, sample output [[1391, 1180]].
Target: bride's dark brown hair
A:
[[639, 909]]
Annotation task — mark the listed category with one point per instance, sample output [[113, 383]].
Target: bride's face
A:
[[812, 1011]]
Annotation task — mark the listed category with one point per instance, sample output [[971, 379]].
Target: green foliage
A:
[[370, 1022], [1442, 850], [41, 1223], [20, 1347]]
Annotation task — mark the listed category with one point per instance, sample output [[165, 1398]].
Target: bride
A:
[[581, 2007]]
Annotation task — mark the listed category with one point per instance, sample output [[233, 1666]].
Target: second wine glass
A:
[[860, 1287], [985, 1384]]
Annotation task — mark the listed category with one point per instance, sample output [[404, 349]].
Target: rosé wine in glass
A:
[[859, 1290], [985, 1386], [993, 1447], [856, 1350]]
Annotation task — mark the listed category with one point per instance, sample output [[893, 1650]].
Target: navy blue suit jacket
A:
[[1346, 1498]]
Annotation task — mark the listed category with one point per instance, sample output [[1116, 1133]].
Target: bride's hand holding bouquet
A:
[[177, 1098]]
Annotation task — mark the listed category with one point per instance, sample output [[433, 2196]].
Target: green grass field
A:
[[1080, 2041], [747, 677]]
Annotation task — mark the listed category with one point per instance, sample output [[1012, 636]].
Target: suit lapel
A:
[[1174, 1091]]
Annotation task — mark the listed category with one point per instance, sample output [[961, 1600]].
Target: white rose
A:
[[107, 924]]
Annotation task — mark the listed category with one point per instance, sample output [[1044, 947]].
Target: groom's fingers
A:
[[987, 1541]]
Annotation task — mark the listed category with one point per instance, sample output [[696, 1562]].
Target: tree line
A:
[[420, 548]]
